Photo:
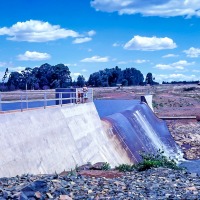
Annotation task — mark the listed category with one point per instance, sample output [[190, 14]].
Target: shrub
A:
[[125, 168], [154, 161], [189, 89], [106, 166], [150, 161]]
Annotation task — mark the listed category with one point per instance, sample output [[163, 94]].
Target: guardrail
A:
[[24, 100]]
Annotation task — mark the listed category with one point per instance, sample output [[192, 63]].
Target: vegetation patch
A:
[[150, 161]]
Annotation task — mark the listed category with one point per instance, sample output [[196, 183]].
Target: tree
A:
[[80, 81], [150, 79], [4, 77], [15, 80]]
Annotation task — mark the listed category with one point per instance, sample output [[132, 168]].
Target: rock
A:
[[85, 167], [198, 117], [98, 166], [65, 197]]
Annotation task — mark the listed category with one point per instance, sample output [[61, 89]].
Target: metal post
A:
[[45, 102], [0, 103], [91, 95], [21, 102], [70, 96], [26, 100], [61, 99]]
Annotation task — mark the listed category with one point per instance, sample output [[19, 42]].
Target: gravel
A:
[[159, 183]]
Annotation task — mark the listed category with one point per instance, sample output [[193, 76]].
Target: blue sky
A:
[[157, 36]]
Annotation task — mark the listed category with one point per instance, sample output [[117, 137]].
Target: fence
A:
[[22, 100]]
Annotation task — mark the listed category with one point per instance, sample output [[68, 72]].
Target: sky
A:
[[157, 36]]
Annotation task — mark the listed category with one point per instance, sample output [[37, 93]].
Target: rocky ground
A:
[[152, 184], [160, 183]]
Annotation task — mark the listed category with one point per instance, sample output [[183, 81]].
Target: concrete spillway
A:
[[55, 139], [141, 131], [59, 138]]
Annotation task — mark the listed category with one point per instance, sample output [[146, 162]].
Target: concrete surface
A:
[[56, 139]]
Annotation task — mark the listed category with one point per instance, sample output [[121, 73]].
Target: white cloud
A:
[[2, 64], [82, 40], [116, 44], [76, 74], [192, 52], [91, 33], [36, 31], [180, 65], [122, 62], [175, 77], [141, 61], [149, 43], [33, 56], [84, 70], [96, 59], [162, 8], [196, 71], [170, 56], [18, 69], [71, 65]]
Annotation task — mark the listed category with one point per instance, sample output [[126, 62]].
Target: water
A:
[[24, 105], [109, 107], [142, 131]]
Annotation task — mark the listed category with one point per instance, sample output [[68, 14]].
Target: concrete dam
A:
[[41, 141]]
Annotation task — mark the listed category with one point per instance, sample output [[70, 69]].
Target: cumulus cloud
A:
[[84, 70], [192, 52], [2, 64], [116, 44], [196, 71], [175, 77], [96, 59], [149, 43], [18, 69], [76, 74], [33, 56], [36, 31], [141, 61], [170, 56], [180, 65], [123, 62], [82, 40], [71, 65], [161, 8], [91, 33]]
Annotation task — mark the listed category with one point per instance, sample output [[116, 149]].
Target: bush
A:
[[106, 166], [153, 161], [189, 89], [150, 161], [125, 168]]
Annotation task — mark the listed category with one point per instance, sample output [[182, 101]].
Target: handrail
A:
[[24, 99]]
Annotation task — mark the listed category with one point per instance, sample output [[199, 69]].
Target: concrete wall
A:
[[56, 139]]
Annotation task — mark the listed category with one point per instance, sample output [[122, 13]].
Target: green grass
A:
[[150, 161]]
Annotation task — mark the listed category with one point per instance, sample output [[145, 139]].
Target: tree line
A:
[[58, 76]]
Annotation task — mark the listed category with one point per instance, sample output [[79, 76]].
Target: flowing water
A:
[[141, 131]]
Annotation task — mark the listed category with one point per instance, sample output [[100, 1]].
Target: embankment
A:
[[55, 139]]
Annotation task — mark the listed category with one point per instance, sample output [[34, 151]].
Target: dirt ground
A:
[[168, 100]]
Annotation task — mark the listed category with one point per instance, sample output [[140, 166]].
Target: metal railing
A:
[[23, 100]]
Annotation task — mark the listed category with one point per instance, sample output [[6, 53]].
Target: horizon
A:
[[88, 36]]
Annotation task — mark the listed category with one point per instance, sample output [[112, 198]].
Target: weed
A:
[[106, 166], [150, 161], [154, 161], [125, 168]]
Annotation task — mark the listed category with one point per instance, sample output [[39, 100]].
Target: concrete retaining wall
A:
[[55, 139]]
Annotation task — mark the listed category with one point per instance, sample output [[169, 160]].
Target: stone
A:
[[65, 197]]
